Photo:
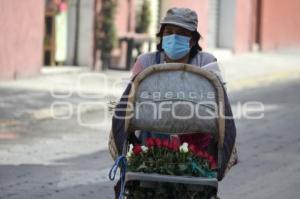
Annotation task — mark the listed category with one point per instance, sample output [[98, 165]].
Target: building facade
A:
[[242, 26], [237, 25], [21, 38]]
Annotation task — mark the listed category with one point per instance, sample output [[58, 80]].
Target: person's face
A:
[[172, 29]]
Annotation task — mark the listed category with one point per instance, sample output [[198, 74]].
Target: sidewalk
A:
[[259, 69], [241, 71], [34, 96]]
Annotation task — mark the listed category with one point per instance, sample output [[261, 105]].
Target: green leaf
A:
[[170, 172], [142, 167], [182, 167]]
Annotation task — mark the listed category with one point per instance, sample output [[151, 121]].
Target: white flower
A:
[[144, 149], [130, 148], [184, 147], [129, 154], [130, 151]]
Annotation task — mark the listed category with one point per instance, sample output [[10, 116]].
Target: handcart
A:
[[167, 101]]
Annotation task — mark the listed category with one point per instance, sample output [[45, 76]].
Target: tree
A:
[[143, 21], [107, 40], [144, 18]]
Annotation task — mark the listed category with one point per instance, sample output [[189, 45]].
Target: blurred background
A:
[[64, 63], [37, 34]]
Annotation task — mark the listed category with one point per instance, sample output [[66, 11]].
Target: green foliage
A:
[[167, 162], [166, 190], [144, 18], [167, 157], [108, 39]]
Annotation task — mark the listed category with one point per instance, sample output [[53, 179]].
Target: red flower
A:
[[174, 145], [211, 158], [213, 164], [150, 142], [193, 149], [137, 149], [158, 142], [200, 153], [205, 155], [165, 143]]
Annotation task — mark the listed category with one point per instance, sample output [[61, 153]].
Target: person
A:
[[179, 43]]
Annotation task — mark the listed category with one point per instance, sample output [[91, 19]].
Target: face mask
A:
[[176, 46]]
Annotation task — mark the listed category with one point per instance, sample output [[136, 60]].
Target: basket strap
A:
[[120, 162]]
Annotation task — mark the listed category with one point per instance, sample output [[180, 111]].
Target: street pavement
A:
[[54, 132], [269, 161]]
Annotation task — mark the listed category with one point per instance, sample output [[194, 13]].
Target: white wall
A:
[[227, 23], [213, 13], [86, 36], [86, 22], [71, 32]]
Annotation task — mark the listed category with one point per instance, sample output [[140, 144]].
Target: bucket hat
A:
[[182, 17]]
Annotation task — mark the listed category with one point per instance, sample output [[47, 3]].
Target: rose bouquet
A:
[[168, 157]]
